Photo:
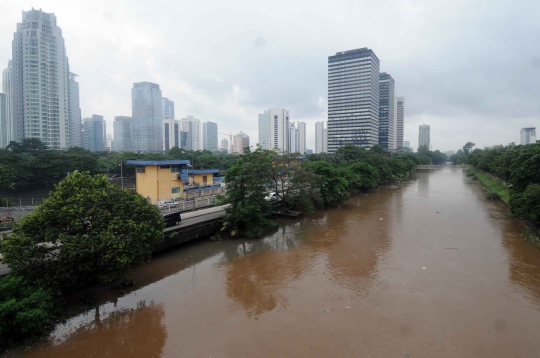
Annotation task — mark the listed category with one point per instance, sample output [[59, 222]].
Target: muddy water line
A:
[[429, 268]]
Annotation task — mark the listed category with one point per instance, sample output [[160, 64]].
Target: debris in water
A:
[[423, 268], [381, 219]]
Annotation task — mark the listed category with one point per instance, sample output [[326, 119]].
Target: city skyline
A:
[[230, 99]]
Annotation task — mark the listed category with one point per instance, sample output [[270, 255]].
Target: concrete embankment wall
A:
[[17, 212]]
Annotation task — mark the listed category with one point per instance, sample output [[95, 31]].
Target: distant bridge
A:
[[432, 167]]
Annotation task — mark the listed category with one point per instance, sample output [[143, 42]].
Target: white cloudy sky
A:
[[469, 68]]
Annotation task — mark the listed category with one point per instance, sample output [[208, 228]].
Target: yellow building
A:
[[159, 179]]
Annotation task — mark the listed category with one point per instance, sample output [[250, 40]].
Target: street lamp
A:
[[121, 175]]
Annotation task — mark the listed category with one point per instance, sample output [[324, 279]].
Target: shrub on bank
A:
[[27, 311]]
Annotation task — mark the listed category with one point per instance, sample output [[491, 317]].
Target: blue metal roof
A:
[[158, 162], [200, 171], [219, 178]]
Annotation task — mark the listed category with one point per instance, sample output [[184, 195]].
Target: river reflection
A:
[[427, 268]]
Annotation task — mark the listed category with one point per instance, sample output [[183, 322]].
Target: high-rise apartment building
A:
[[225, 145], [210, 136], [123, 131], [172, 134], [400, 120], [241, 141], [294, 139], [94, 133], [75, 118], [109, 143], [276, 122], [192, 126], [353, 99], [264, 130], [386, 112], [528, 135], [424, 137], [407, 144], [40, 81], [3, 121], [147, 117], [320, 138], [7, 89], [302, 137], [167, 107]]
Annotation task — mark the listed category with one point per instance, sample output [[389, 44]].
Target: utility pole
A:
[[121, 175]]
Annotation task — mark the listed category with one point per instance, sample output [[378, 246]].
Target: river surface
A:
[[427, 268]]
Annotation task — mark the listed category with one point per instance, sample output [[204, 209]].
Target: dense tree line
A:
[[321, 180], [30, 162], [519, 166], [87, 232]]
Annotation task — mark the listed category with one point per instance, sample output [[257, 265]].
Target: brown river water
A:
[[426, 268]]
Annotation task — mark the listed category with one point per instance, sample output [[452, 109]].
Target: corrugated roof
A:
[[200, 171], [158, 162]]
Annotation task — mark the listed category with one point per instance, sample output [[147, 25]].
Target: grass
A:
[[494, 186]]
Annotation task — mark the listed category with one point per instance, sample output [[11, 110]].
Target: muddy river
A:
[[426, 268]]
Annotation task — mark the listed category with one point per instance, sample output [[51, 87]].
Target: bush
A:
[[26, 311], [88, 231], [526, 205], [491, 195]]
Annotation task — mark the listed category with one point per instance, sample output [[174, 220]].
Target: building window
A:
[[204, 179], [164, 166], [175, 169], [141, 170], [175, 190]]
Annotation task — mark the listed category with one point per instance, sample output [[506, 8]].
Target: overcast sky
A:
[[470, 69]]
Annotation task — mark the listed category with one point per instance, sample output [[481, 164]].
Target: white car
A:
[[271, 197], [167, 204]]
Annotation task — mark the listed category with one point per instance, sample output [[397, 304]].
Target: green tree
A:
[[468, 147], [30, 146], [332, 185], [7, 177], [249, 212], [87, 231], [526, 205], [361, 175], [26, 311]]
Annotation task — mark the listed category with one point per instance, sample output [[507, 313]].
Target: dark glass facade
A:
[[386, 111], [353, 99]]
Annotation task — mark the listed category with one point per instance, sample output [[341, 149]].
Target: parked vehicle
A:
[[172, 219], [167, 204], [271, 197]]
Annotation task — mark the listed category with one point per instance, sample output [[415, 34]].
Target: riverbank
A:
[[494, 186]]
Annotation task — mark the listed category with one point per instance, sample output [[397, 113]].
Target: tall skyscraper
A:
[[147, 117], [294, 139], [325, 140], [167, 108], [302, 134], [122, 127], [528, 135], [424, 137], [3, 121], [75, 118], [210, 136], [319, 137], [264, 130], [400, 120], [7, 89], [278, 126], [241, 141], [172, 134], [386, 111], [353, 99], [406, 144], [94, 133], [192, 126], [40, 81], [225, 145]]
